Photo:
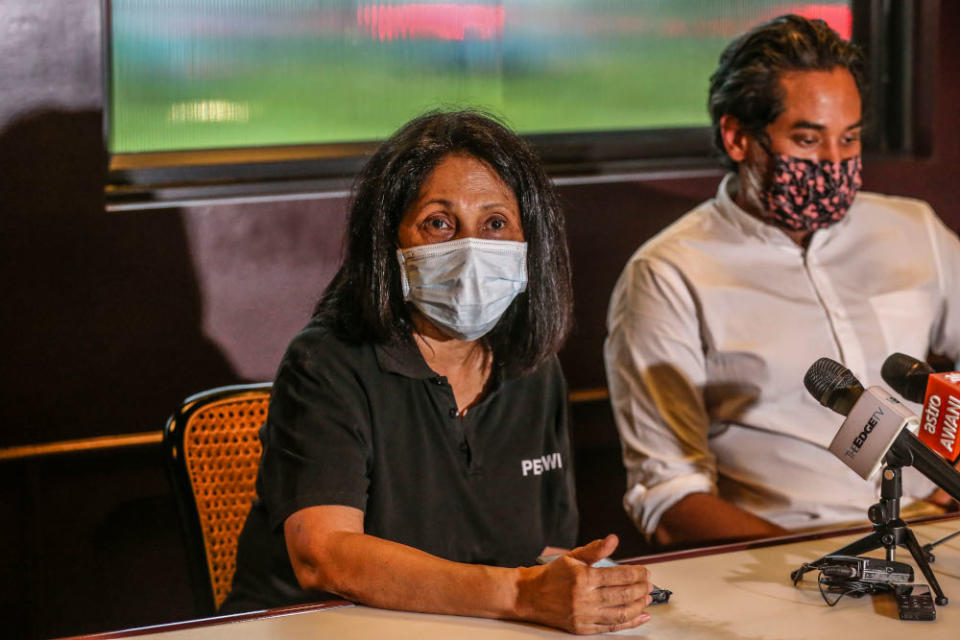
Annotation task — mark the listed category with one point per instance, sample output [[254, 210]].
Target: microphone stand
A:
[[928, 548], [889, 531]]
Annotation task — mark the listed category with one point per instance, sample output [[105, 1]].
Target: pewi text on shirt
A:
[[544, 463]]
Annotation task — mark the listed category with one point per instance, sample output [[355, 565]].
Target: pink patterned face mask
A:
[[806, 194]]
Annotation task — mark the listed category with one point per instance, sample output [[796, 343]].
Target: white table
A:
[[738, 592]]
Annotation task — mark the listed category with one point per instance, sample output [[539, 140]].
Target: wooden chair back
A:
[[213, 451]]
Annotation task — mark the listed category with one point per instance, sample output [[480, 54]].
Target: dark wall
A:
[[111, 319]]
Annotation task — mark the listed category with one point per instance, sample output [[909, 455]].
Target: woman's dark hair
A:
[[746, 84], [364, 302]]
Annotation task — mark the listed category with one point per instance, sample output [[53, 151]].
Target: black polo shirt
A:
[[373, 427]]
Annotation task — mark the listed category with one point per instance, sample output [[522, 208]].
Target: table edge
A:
[[261, 614]]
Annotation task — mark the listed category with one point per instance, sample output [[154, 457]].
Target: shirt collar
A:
[[765, 231], [403, 357]]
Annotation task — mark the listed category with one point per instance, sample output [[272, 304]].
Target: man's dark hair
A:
[[364, 302], [746, 84]]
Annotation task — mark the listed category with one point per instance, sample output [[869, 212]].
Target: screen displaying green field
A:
[[208, 74]]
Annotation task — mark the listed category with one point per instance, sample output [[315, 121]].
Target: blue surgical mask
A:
[[464, 286]]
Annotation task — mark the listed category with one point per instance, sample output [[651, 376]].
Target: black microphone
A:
[[940, 394], [906, 375], [833, 385], [874, 428]]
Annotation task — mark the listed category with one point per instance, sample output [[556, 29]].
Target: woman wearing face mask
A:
[[416, 452]]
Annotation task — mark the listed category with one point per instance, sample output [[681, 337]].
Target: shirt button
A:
[[464, 447], [454, 413], [437, 381]]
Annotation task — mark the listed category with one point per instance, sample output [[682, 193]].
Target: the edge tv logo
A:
[[861, 438]]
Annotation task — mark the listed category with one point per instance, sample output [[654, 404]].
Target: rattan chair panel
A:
[[221, 450]]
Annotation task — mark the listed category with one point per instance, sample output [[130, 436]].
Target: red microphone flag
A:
[[941, 414]]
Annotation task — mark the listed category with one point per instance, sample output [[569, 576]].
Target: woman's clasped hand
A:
[[571, 594]]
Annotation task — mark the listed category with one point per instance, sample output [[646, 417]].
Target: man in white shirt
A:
[[715, 320]]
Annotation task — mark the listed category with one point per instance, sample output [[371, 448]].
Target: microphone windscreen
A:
[[825, 378], [906, 375]]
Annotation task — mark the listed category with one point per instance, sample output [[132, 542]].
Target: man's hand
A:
[[571, 594]]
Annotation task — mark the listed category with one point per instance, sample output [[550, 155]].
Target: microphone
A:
[[874, 427], [916, 381], [874, 417]]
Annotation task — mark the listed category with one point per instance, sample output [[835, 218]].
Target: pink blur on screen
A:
[[839, 17], [432, 21]]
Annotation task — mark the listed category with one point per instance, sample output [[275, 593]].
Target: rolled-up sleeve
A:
[[656, 372]]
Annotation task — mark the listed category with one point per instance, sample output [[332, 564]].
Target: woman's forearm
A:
[[386, 574], [329, 552]]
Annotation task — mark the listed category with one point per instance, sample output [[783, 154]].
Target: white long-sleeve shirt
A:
[[713, 324]]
